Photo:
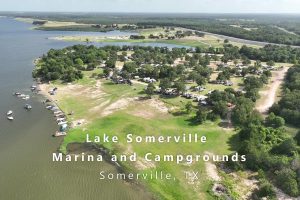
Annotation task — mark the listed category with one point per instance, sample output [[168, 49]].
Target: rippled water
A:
[[26, 145]]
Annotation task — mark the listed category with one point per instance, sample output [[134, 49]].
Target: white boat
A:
[[28, 107], [61, 123], [61, 119], [10, 118], [59, 115], [54, 108], [58, 134], [9, 113], [17, 93], [57, 112], [26, 97], [49, 107]]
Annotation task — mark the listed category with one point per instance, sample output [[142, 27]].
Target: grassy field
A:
[[141, 118], [123, 123], [190, 41]]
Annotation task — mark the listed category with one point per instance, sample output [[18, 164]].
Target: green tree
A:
[[271, 63], [180, 86], [150, 90], [286, 180], [188, 107], [130, 67], [165, 84], [78, 61], [200, 80], [274, 121], [201, 115], [297, 138]]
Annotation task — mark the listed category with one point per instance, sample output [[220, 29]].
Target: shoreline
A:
[[84, 147]]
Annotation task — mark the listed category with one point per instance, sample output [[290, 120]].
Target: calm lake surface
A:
[[26, 145]]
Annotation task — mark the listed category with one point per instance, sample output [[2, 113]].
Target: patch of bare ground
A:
[[246, 184], [282, 196], [212, 172], [117, 105], [140, 164], [77, 91], [268, 96], [148, 108], [211, 169], [157, 104]]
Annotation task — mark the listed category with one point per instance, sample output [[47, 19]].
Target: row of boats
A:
[[10, 113], [60, 120], [22, 96], [58, 114]]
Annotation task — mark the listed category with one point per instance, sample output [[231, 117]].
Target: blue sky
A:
[[198, 6]]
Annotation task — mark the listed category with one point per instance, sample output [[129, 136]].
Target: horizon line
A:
[[125, 12]]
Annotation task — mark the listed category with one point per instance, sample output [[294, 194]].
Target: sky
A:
[[170, 6]]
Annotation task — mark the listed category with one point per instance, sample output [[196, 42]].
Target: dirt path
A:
[[281, 196], [268, 96]]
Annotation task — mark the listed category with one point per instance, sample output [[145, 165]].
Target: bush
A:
[[297, 138], [274, 121], [286, 180], [287, 147], [266, 190]]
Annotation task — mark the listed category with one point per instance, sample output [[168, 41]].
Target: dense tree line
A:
[[260, 32], [289, 105], [269, 149], [67, 64]]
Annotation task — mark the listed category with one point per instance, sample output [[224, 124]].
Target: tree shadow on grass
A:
[[223, 124], [193, 121], [179, 113], [234, 142]]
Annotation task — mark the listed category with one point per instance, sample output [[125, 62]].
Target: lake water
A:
[[26, 145]]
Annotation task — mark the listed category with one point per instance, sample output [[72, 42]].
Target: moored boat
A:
[[26, 97], [10, 112], [28, 107], [61, 119], [62, 123], [58, 134], [49, 107], [33, 87], [10, 117]]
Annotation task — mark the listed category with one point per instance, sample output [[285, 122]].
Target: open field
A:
[[120, 39], [192, 41], [115, 110]]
